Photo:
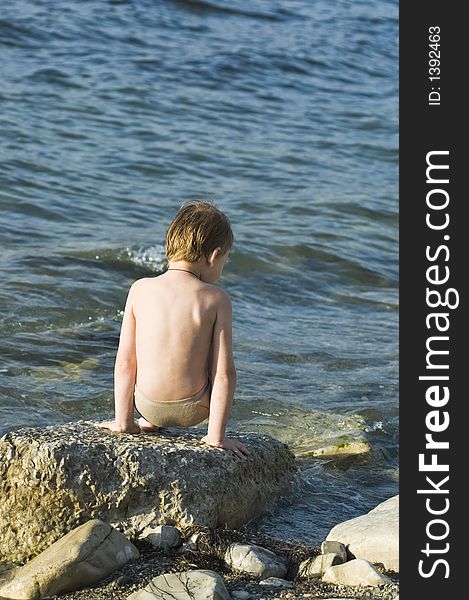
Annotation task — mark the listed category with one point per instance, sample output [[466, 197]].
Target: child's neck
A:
[[195, 268]]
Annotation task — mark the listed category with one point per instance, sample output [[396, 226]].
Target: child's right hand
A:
[[231, 444], [113, 426]]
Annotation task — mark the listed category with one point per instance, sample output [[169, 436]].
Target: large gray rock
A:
[[355, 572], [188, 585], [82, 557], [55, 478], [255, 560], [374, 536]]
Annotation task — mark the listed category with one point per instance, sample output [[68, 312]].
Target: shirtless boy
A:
[[175, 357]]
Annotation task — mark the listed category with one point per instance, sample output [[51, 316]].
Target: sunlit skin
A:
[[178, 327]]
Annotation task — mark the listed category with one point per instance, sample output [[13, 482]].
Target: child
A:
[[175, 353]]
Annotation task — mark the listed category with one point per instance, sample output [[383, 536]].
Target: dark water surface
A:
[[285, 113]]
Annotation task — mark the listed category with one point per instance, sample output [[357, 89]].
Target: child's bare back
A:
[[175, 361], [175, 315]]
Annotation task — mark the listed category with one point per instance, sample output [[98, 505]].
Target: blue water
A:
[[285, 113]]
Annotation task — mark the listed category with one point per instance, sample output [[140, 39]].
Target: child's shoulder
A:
[[216, 294], [140, 283], [219, 297]]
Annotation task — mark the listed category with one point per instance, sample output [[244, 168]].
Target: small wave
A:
[[53, 76], [15, 35], [376, 426], [221, 9], [153, 257]]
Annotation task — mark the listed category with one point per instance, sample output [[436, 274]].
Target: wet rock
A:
[[317, 566], [276, 582], [188, 585], [329, 547], [354, 572], [255, 560], [55, 478], [315, 433], [82, 557], [374, 536], [162, 536]]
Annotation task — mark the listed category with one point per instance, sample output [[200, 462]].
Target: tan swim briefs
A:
[[173, 413]]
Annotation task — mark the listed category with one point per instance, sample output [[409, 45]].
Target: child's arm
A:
[[223, 373], [125, 371]]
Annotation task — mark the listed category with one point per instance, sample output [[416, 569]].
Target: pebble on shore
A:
[[209, 555]]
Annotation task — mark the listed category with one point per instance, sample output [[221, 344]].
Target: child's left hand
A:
[[113, 426]]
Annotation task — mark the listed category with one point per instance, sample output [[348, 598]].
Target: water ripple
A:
[[285, 113]]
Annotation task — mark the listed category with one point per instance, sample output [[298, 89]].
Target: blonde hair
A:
[[197, 229]]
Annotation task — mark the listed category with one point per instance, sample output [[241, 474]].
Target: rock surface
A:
[[374, 536], [314, 433], [162, 536], [354, 572], [188, 585], [255, 560], [55, 478], [82, 557], [240, 595], [317, 566], [335, 548], [276, 582]]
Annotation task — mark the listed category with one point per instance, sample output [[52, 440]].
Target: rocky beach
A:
[[123, 516]]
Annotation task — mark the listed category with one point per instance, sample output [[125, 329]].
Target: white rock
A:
[[187, 585], [162, 536], [329, 547], [354, 572], [82, 557], [255, 560], [318, 565], [276, 582], [374, 536]]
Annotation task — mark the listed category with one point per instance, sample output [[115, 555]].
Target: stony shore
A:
[[211, 547], [110, 513]]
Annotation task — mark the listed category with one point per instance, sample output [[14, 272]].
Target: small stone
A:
[[329, 547], [318, 565], [162, 536], [276, 582], [120, 581], [255, 560], [199, 584], [241, 595], [190, 545], [354, 572]]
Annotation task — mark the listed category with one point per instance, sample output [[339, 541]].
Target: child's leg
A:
[[147, 427]]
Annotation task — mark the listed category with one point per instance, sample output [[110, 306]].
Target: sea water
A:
[[284, 112]]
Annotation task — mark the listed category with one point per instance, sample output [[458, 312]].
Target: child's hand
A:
[[113, 426], [233, 445]]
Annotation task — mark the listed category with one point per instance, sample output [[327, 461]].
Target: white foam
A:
[[153, 257]]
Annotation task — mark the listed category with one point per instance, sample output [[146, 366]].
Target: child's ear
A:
[[214, 254]]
